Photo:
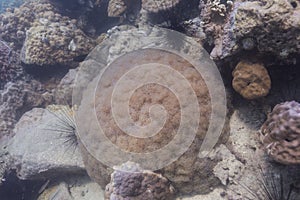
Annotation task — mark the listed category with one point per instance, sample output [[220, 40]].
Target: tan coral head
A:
[[281, 133], [251, 80]]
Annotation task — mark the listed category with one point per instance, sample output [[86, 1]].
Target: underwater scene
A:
[[149, 100]]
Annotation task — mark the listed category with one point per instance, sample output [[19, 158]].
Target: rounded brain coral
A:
[[281, 133], [171, 147], [251, 80]]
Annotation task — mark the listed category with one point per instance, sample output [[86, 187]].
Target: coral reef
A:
[[15, 98], [251, 80], [50, 38], [271, 27], [17, 21], [129, 181], [53, 42], [185, 173], [281, 133], [10, 68]]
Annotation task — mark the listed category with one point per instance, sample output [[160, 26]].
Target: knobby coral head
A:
[[281, 133]]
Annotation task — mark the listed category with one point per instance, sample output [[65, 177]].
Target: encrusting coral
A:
[[251, 80], [281, 133]]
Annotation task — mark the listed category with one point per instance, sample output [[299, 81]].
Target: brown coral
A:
[[157, 6], [251, 80], [52, 42], [281, 133], [15, 22], [129, 181], [189, 169]]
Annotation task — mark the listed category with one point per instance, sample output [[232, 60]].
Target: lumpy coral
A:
[[45, 36], [129, 181], [54, 42], [15, 22], [189, 170], [281, 133], [251, 80]]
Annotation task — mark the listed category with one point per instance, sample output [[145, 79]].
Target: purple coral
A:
[[281, 133]]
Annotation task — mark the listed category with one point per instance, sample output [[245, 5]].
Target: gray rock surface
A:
[[63, 92], [40, 150], [75, 188]]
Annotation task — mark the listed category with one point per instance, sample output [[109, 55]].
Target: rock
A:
[[63, 92], [40, 147], [5, 162], [57, 192], [73, 188], [251, 80], [269, 27], [215, 194], [130, 181], [281, 133], [229, 168]]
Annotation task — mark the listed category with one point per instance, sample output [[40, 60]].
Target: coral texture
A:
[[116, 8], [10, 68], [17, 21], [268, 26], [281, 133], [52, 42], [16, 98], [129, 181], [50, 38], [189, 173], [156, 6], [251, 80]]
